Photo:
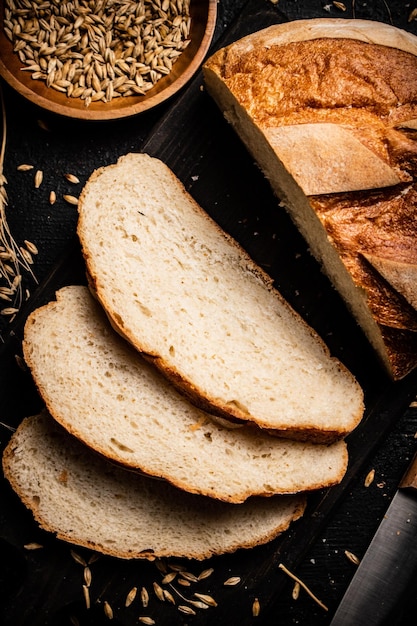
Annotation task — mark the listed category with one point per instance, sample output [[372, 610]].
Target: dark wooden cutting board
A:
[[44, 587]]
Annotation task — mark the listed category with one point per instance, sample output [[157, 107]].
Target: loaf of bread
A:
[[86, 500], [192, 301], [328, 108], [104, 393]]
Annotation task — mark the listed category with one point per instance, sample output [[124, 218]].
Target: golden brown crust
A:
[[303, 30], [351, 84], [400, 274], [361, 79], [379, 223]]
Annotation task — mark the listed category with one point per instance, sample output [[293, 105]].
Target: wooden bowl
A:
[[203, 20]]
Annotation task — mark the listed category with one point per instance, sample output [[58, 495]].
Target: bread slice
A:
[[327, 108], [97, 386], [86, 500], [190, 299]]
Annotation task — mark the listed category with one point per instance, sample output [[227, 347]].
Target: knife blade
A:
[[389, 564]]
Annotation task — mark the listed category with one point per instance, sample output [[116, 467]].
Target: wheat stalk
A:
[[13, 259]]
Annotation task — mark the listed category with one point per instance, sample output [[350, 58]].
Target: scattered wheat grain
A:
[[108, 611], [199, 604], [78, 558], [25, 167], [186, 609], [144, 596], [70, 199], [303, 585], [168, 596], [38, 178], [205, 573], [31, 247], [86, 593], [159, 592], [206, 598], [352, 557], [413, 15], [168, 578], [87, 576], [189, 576], [256, 608], [369, 478], [296, 591], [131, 596]]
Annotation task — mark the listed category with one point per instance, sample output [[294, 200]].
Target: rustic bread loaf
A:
[[191, 300], [328, 108], [86, 500], [103, 392]]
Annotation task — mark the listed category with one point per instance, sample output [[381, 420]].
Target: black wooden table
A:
[[43, 587]]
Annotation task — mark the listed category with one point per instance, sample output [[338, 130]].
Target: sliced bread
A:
[[90, 502], [327, 107], [191, 300], [103, 392]]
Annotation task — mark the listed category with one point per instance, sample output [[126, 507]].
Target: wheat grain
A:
[[169, 577], [93, 558], [205, 573], [78, 558], [413, 15], [86, 593], [369, 479], [87, 575], [38, 178], [199, 604], [31, 247], [70, 199], [186, 609], [75, 45], [131, 596], [159, 592], [189, 576], [144, 596], [352, 557], [108, 611], [168, 596], [303, 585], [296, 591], [206, 599], [24, 167]]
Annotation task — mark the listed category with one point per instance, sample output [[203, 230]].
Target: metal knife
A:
[[389, 564]]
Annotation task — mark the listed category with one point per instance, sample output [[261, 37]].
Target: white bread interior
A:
[[90, 502], [191, 300], [104, 393]]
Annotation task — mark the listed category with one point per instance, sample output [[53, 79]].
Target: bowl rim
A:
[[61, 104]]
